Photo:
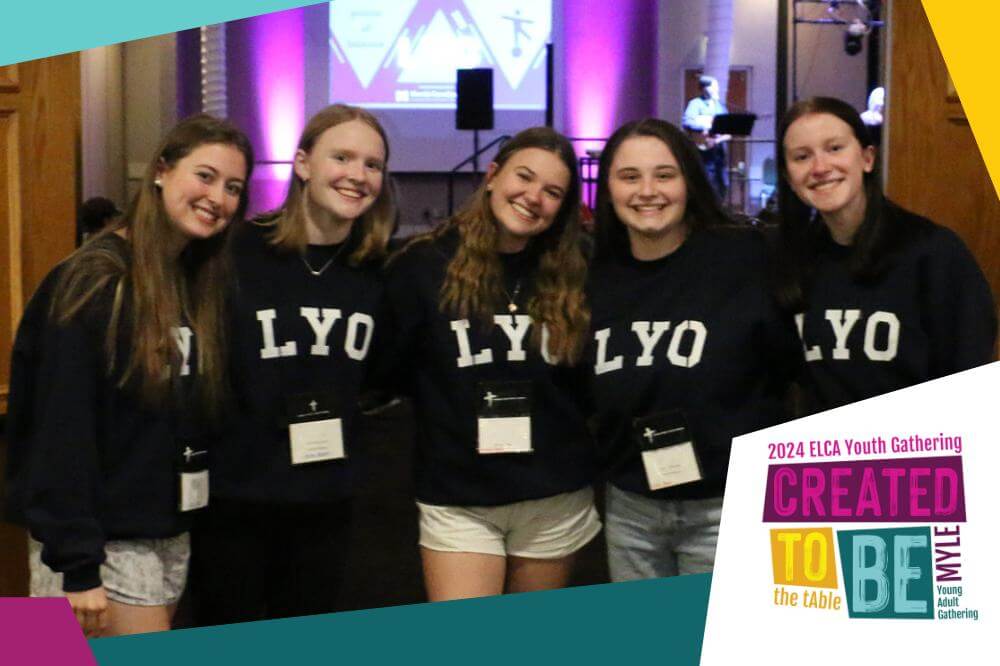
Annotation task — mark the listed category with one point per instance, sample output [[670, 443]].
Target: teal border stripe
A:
[[651, 622], [38, 29]]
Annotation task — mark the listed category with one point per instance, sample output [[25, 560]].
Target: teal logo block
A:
[[887, 572]]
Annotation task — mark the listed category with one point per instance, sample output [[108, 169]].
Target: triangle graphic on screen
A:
[[438, 51], [515, 33], [366, 30]]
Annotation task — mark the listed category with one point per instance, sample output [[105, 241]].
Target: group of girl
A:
[[170, 348]]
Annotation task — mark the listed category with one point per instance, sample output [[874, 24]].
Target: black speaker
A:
[[474, 107]]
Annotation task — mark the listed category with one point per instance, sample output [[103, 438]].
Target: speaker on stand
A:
[[549, 80], [474, 106]]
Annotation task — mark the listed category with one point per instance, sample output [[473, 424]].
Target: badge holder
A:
[[193, 478], [315, 432], [504, 411], [668, 451]]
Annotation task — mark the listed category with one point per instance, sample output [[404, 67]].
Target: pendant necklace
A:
[[317, 272], [512, 298]]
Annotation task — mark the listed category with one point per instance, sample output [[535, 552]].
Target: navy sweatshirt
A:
[[695, 331], [441, 358], [292, 333], [930, 314], [89, 461]]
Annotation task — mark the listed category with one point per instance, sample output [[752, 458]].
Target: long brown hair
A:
[[473, 283], [372, 229], [161, 290]]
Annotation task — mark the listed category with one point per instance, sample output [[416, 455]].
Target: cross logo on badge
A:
[[492, 397], [191, 453], [649, 434]]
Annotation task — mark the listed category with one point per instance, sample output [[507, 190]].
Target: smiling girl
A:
[[489, 310], [302, 315], [688, 350], [117, 363], [883, 298]]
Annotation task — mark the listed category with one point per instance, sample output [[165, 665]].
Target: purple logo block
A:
[[900, 490], [41, 631]]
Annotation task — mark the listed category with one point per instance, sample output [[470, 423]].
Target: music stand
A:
[[735, 124]]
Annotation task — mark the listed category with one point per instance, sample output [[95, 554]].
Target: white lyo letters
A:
[[465, 357], [515, 327], [647, 340], [546, 356], [321, 327], [842, 321], [697, 346], [350, 343], [892, 345], [182, 335], [603, 364], [813, 353], [270, 349]]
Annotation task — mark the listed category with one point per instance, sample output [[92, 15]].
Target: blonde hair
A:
[[376, 225], [162, 290]]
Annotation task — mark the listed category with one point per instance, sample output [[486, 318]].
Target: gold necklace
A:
[[317, 272], [512, 299]]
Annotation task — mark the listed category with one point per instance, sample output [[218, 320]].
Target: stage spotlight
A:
[[856, 30]]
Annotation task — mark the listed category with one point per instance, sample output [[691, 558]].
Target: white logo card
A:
[[511, 434], [194, 490], [671, 466], [315, 441]]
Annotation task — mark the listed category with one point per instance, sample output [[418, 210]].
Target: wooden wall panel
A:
[[934, 165], [51, 139], [39, 182], [11, 286], [39, 191], [9, 79]]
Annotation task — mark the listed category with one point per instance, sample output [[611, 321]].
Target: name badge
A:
[[194, 490], [315, 432], [193, 479], [504, 410], [668, 452]]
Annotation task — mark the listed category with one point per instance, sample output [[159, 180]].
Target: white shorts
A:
[[138, 572], [546, 528]]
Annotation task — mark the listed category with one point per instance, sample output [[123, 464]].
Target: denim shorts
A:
[[655, 538]]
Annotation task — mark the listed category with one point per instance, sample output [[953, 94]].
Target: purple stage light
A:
[[278, 65], [610, 65]]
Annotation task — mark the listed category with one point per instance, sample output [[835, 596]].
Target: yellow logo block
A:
[[804, 556]]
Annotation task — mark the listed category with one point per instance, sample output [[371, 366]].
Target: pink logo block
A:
[[41, 631]]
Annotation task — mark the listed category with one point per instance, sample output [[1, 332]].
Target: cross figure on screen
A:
[[517, 23]]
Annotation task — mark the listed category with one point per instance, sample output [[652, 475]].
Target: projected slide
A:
[[404, 53]]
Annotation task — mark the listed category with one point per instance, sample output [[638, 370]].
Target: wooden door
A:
[[934, 165], [39, 185]]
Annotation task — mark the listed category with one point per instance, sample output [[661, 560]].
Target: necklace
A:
[[316, 272], [512, 299]]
